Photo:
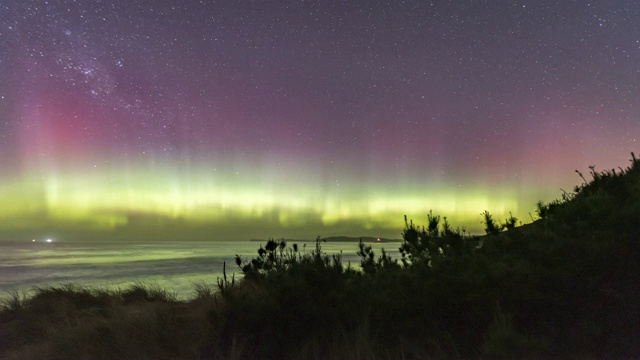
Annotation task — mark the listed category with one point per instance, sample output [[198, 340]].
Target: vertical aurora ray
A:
[[213, 120]]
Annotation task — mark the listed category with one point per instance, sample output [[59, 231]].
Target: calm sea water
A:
[[175, 266]]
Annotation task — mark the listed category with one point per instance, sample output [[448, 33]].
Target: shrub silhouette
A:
[[565, 286], [550, 279]]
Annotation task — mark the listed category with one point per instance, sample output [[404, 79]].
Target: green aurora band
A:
[[168, 203]]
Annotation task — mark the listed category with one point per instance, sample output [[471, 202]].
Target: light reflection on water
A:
[[175, 266]]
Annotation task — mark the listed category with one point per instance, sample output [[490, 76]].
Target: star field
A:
[[215, 119]]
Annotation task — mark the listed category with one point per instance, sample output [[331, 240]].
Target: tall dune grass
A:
[[563, 287]]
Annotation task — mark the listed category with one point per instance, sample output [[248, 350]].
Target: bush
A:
[[564, 286]]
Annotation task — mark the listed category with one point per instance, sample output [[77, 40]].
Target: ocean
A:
[[174, 266]]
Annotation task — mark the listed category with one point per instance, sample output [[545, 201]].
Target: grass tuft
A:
[[562, 287]]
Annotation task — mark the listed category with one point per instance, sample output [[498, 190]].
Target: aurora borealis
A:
[[239, 119]]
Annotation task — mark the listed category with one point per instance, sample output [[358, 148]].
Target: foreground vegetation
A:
[[565, 286]]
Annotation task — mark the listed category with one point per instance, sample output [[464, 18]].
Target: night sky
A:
[[140, 119]]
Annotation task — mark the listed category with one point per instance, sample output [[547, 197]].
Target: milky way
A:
[[239, 119]]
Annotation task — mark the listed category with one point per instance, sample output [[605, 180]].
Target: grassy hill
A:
[[566, 286]]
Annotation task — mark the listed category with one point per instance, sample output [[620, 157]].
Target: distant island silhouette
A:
[[353, 239]]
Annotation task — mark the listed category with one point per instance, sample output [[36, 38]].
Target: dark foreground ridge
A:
[[564, 287]]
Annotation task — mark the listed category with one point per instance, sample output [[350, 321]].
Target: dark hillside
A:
[[563, 287]]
